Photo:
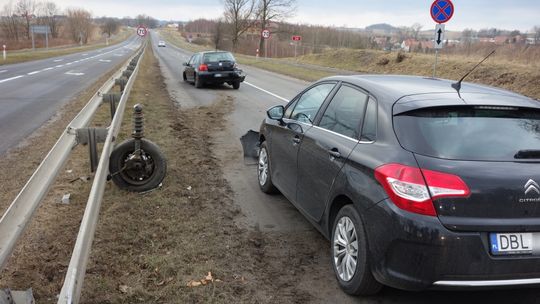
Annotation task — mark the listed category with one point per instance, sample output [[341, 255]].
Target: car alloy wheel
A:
[[345, 244], [263, 166]]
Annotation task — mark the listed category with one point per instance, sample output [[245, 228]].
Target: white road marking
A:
[[33, 73], [60, 65], [12, 78], [104, 60], [58, 60], [267, 92], [3, 71], [69, 63], [74, 73], [85, 54], [47, 69]]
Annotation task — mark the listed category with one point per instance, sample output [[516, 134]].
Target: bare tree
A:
[[536, 31], [79, 24], [110, 26], [415, 30], [217, 36], [49, 15], [26, 9], [10, 23], [241, 15], [273, 11], [146, 21]]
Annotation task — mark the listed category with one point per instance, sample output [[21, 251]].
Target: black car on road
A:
[[213, 68], [416, 185]]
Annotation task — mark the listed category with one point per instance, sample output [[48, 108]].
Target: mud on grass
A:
[[148, 247]]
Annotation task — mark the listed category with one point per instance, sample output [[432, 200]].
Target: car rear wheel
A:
[[264, 172], [236, 85], [350, 256], [198, 82]]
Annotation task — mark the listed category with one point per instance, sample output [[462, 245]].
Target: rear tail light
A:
[[203, 68], [414, 189]]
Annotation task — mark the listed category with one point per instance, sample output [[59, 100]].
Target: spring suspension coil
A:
[[138, 126]]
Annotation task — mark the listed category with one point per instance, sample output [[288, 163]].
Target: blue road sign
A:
[[442, 10]]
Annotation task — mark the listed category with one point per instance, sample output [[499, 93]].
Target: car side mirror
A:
[[185, 64], [276, 113]]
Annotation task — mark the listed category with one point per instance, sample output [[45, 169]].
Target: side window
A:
[[290, 108], [369, 130], [309, 103], [345, 112], [191, 60]]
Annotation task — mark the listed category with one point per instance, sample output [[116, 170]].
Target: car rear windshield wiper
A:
[[523, 154]]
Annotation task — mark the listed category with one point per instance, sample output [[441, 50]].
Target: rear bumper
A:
[[222, 76], [415, 252]]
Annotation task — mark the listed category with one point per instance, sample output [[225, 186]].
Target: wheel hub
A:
[[345, 249]]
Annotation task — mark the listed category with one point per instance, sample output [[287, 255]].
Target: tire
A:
[[153, 172], [184, 76], [264, 172], [198, 82], [360, 280], [236, 85]]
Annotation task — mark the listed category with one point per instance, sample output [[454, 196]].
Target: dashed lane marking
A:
[[12, 78]]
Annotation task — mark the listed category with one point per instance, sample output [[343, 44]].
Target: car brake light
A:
[[203, 68], [414, 189]]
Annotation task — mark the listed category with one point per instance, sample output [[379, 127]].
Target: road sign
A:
[[142, 31], [442, 11], [40, 29], [265, 34], [439, 36], [296, 38]]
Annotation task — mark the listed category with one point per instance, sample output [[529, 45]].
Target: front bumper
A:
[[222, 76], [416, 252]]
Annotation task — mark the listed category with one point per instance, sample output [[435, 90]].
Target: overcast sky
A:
[[505, 14]]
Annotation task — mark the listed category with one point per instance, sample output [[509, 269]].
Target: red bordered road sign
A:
[[265, 34], [296, 38], [442, 11], [142, 31]]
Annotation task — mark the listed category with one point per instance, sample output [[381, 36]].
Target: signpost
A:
[[40, 29], [441, 12], [296, 39], [4, 52], [142, 31], [266, 35]]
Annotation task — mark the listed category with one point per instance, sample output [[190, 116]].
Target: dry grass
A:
[[29, 55]]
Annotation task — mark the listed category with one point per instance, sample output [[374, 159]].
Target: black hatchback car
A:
[[213, 68], [416, 185]]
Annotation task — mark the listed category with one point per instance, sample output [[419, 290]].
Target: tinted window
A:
[[369, 129], [309, 103], [290, 108], [469, 133], [345, 112], [217, 57]]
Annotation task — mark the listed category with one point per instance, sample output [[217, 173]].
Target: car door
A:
[[190, 69], [326, 147], [286, 138]]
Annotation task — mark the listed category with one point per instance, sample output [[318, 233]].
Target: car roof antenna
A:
[[457, 85]]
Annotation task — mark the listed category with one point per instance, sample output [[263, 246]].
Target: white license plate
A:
[[218, 75], [511, 243]]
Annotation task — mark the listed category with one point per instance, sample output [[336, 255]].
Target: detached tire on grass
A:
[[137, 174]]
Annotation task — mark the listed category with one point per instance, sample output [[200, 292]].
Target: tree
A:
[[536, 31], [218, 34], [272, 11], [10, 24], [240, 14], [110, 26], [415, 29], [50, 16], [26, 9], [146, 21], [79, 24]]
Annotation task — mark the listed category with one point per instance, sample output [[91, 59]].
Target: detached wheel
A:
[[198, 82], [350, 255], [264, 172], [236, 85], [137, 173]]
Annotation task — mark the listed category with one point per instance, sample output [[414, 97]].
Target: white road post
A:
[[4, 52]]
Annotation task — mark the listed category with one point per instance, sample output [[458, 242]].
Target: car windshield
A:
[[470, 133], [217, 57]]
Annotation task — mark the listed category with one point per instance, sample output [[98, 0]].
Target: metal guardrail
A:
[[20, 212]]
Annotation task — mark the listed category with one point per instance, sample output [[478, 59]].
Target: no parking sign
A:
[[442, 11]]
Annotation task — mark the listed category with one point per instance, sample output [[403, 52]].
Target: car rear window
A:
[[469, 133], [217, 57]]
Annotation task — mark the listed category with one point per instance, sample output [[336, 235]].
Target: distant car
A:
[[161, 44], [213, 68], [418, 185]]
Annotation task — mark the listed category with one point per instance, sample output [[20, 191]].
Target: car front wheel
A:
[[350, 256], [264, 172]]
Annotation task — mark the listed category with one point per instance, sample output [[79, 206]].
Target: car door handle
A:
[[334, 153], [296, 140]]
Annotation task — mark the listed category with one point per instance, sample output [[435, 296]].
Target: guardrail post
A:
[[112, 99], [91, 137]]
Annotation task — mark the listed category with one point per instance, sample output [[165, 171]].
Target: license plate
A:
[[218, 75], [511, 243]]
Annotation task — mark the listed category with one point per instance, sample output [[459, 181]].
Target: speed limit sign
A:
[[142, 31], [266, 34]]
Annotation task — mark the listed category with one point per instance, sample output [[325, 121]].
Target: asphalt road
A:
[[261, 90], [33, 92]]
